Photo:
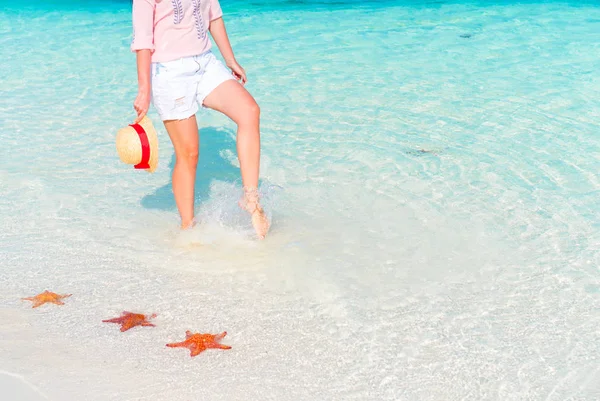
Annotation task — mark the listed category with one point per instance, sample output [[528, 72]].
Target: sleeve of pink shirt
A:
[[143, 24], [215, 10]]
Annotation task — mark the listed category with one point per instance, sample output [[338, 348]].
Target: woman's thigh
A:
[[233, 100]]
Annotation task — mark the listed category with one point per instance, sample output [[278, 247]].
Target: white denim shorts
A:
[[180, 86]]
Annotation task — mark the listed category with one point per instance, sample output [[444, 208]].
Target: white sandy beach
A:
[[435, 215]]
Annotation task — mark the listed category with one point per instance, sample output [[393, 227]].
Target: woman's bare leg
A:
[[184, 136], [233, 100]]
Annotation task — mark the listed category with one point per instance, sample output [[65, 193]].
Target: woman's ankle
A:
[[188, 224], [250, 200]]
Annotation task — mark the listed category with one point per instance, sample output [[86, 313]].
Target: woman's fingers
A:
[[139, 118], [239, 73], [141, 112]]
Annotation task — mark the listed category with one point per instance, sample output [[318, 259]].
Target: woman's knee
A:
[[254, 110], [251, 114], [184, 136], [188, 155]]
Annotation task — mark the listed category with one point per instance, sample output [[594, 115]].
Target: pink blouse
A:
[[173, 29]]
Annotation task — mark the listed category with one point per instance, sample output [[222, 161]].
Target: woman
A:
[[177, 69]]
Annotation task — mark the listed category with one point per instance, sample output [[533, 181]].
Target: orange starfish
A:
[[129, 320], [197, 342], [46, 296]]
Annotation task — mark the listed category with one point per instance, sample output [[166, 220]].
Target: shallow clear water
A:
[[431, 169]]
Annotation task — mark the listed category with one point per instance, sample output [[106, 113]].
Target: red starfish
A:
[[129, 320], [197, 342], [46, 296]]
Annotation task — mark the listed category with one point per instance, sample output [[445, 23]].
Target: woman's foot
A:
[[250, 203]]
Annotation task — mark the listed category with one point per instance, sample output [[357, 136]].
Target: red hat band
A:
[[143, 164]]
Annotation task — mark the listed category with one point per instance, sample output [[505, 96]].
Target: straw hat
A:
[[137, 144]]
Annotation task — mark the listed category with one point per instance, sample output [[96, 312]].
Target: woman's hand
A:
[[219, 34], [237, 71], [141, 104]]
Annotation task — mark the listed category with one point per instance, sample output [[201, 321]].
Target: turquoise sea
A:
[[432, 173]]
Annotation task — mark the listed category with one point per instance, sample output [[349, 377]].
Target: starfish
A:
[[129, 320], [197, 342], [46, 296]]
